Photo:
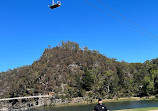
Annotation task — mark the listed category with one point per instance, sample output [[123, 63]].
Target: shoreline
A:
[[141, 109], [106, 100]]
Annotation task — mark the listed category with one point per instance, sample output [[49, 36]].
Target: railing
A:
[[58, 2], [28, 97]]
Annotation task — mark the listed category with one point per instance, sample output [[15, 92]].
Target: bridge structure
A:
[[26, 102], [27, 97]]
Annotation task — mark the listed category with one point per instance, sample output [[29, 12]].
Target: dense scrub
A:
[[69, 71]]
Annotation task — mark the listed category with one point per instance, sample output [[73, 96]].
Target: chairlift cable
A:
[[121, 21], [142, 28]]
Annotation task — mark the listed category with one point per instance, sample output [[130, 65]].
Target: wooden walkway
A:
[[27, 97]]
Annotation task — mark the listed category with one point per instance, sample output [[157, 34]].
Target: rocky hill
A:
[[69, 71]]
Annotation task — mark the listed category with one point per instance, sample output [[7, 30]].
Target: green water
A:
[[110, 105]]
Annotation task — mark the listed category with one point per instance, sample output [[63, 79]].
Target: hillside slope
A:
[[69, 71]]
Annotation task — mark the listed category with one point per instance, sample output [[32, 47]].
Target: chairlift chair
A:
[[55, 5]]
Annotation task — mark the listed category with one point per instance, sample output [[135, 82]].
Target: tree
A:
[[88, 80]]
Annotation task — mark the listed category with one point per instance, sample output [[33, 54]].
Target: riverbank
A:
[[141, 109], [113, 106], [107, 100], [86, 106]]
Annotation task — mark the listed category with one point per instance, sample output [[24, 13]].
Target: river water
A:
[[110, 105]]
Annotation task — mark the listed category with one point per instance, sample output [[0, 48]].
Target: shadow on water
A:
[[110, 105]]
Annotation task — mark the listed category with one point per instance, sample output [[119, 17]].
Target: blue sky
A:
[[27, 27]]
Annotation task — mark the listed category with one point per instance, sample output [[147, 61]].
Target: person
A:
[[100, 106]]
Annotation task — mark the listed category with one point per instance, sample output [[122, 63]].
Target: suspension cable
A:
[[142, 28], [121, 21]]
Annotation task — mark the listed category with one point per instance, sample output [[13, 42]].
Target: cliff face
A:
[[69, 71]]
